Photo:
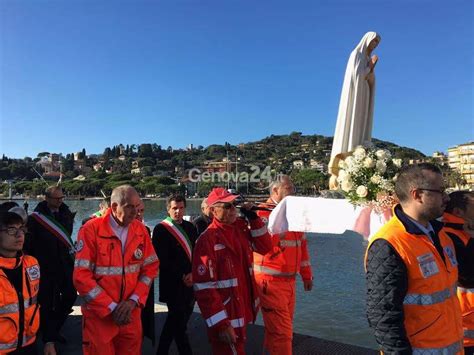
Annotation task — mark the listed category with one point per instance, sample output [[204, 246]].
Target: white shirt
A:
[[120, 232]]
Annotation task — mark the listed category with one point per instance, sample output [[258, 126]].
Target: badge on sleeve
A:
[[33, 273], [79, 245], [201, 269], [138, 254]]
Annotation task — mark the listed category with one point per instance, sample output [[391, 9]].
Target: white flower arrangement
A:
[[367, 178]]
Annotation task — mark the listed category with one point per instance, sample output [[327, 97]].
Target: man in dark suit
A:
[[173, 239], [49, 240]]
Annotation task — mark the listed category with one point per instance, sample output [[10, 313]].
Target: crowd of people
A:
[[420, 282]]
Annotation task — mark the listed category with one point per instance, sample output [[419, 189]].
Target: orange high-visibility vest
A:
[[14, 308], [454, 224], [431, 308], [289, 256]]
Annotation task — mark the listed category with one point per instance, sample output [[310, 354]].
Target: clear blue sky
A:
[[91, 74]]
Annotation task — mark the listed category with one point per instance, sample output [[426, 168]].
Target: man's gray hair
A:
[[280, 179], [204, 204], [51, 189], [120, 193]]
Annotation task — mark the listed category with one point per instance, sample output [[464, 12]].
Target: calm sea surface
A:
[[334, 309]]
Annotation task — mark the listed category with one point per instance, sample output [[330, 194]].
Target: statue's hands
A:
[[373, 61]]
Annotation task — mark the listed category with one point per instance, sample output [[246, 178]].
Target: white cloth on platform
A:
[[322, 215], [356, 106]]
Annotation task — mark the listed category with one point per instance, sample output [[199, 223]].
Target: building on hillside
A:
[[440, 156], [316, 165], [461, 158], [215, 166], [298, 164], [50, 163], [97, 166]]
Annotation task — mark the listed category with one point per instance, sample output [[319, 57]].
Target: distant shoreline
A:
[[97, 198]]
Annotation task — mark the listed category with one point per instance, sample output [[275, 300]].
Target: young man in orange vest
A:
[[275, 274], [412, 271], [19, 285], [459, 226], [114, 267]]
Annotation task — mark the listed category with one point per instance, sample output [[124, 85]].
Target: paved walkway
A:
[[302, 344]]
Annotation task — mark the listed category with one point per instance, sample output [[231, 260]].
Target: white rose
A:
[[376, 179], [346, 185], [359, 153], [362, 191], [349, 162], [381, 166], [369, 162], [381, 154], [397, 162]]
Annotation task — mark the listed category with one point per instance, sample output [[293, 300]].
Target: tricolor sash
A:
[[179, 233], [55, 228]]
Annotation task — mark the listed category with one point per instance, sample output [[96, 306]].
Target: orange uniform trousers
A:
[[277, 299], [101, 336]]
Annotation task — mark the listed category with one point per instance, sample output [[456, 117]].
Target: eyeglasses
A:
[[13, 231], [57, 198], [440, 191]]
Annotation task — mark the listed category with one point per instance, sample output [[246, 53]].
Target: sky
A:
[[91, 74]]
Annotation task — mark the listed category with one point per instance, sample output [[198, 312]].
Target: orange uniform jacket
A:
[[102, 274], [222, 273], [431, 308], [14, 310], [289, 256], [454, 225]]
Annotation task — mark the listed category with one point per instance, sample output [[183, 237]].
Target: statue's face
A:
[[372, 45]]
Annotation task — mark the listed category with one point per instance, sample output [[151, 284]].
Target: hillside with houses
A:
[[157, 171]]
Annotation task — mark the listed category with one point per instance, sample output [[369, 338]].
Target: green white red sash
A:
[[178, 232], [55, 228]]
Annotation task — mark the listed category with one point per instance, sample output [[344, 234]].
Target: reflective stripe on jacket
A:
[[288, 257], [103, 274], [222, 274], [13, 309], [454, 225], [431, 309]]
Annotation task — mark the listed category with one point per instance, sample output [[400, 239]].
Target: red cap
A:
[[219, 194]]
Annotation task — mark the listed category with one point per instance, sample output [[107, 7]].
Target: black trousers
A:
[[56, 299], [175, 328], [26, 350]]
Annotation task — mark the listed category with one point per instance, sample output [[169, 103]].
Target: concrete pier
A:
[[302, 344]]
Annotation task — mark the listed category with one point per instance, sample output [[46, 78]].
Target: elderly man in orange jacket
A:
[[222, 272], [114, 267], [275, 274]]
